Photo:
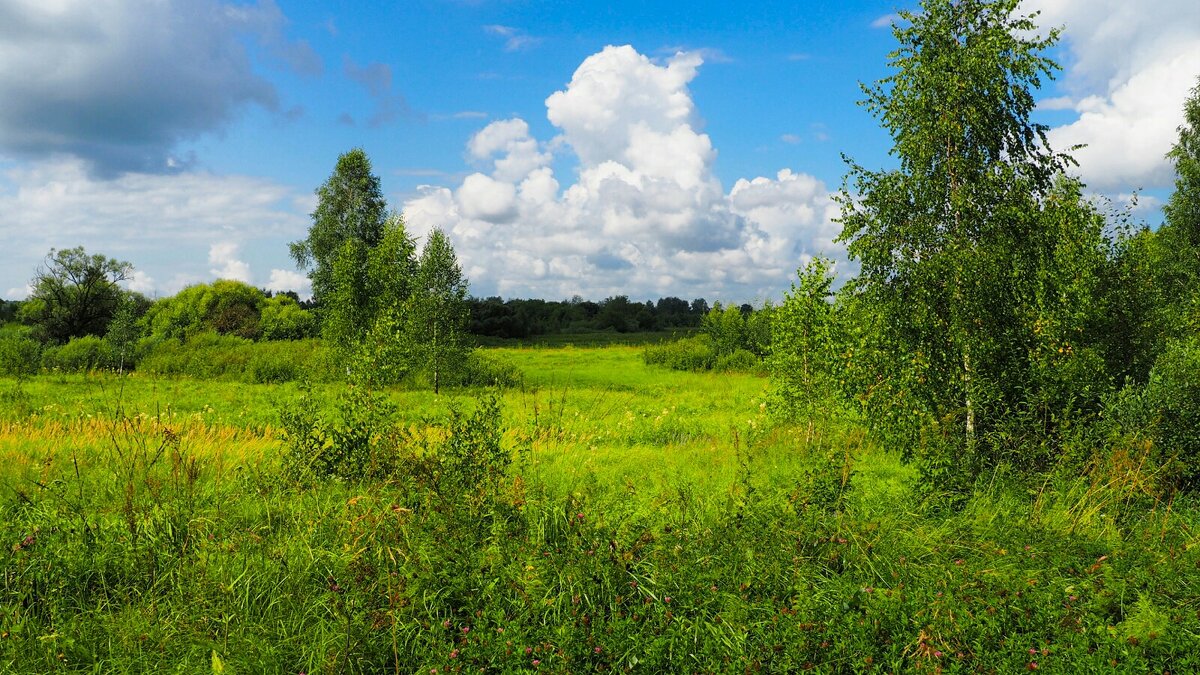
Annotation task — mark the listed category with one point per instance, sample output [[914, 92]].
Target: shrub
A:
[[80, 355], [358, 442], [1173, 397], [19, 354], [226, 357], [740, 360], [694, 353], [485, 370]]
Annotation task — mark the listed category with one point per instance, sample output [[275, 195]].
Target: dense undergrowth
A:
[[606, 518]]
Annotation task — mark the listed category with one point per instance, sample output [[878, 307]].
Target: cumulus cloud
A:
[[289, 280], [165, 224], [1129, 70], [119, 83], [223, 256], [645, 215], [140, 282], [18, 292]]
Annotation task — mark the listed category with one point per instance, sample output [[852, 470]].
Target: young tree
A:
[[75, 294], [349, 221], [438, 311], [952, 241]]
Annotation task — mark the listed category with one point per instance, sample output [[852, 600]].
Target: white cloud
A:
[[518, 153], [164, 224], [885, 21], [18, 292], [140, 282], [486, 198], [289, 280], [223, 256], [120, 83], [1129, 70], [515, 40], [645, 215]]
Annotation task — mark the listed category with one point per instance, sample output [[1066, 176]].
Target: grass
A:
[[652, 520]]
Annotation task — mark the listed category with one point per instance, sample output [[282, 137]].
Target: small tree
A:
[[75, 294], [803, 345], [438, 310], [350, 220], [958, 244]]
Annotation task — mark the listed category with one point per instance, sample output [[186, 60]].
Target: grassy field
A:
[[650, 521]]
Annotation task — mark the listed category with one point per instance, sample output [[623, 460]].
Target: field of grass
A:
[[650, 521]]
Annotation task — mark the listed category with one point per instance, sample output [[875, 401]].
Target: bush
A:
[[739, 360], [19, 354], [226, 357], [691, 354], [80, 355], [1173, 398], [485, 370]]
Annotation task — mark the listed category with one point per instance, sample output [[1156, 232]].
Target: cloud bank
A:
[[1129, 70], [119, 84], [644, 214]]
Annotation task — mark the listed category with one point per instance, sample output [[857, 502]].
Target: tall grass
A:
[[645, 520]]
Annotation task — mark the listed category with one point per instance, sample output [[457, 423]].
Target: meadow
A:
[[629, 518]]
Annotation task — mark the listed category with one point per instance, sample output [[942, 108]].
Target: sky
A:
[[646, 148]]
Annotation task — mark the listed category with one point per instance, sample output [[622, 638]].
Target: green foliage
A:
[[437, 312], [283, 319], [1173, 398], [984, 267], [227, 357], [804, 361], [350, 211], [74, 294], [225, 306], [20, 354], [692, 354], [359, 258], [621, 518], [359, 441], [1183, 208], [726, 328], [80, 355], [124, 330]]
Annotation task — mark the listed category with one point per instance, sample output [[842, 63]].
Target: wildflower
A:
[[529, 650], [937, 654], [1033, 665], [597, 650], [446, 623], [536, 663], [466, 629], [959, 561]]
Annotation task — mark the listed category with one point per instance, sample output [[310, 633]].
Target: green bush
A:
[[1173, 398], [739, 360], [694, 354], [486, 370], [226, 357], [80, 355], [19, 354]]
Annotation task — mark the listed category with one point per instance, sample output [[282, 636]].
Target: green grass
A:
[[125, 547]]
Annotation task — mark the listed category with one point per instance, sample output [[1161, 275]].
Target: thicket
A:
[[1000, 320], [731, 338]]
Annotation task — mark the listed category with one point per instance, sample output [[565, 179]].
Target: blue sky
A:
[[647, 148]]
